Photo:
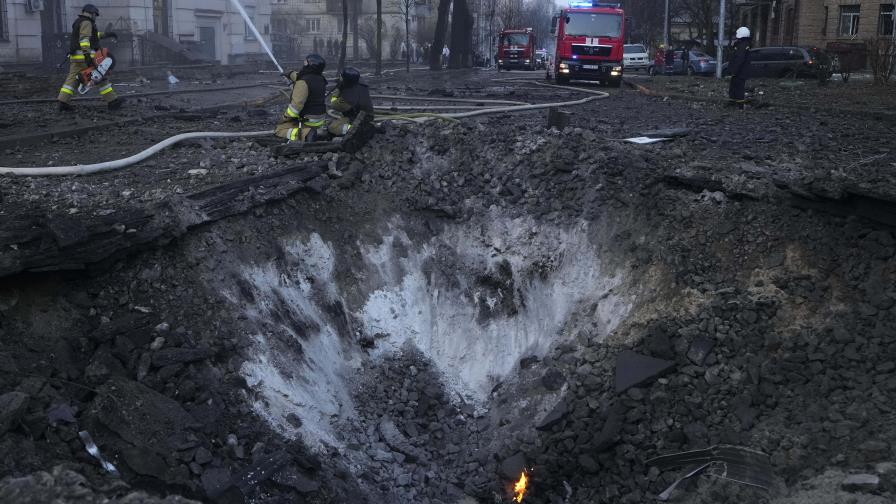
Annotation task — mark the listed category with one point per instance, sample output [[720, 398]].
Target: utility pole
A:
[[666, 27], [721, 39]]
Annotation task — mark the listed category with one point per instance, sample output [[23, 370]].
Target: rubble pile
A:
[[724, 298]]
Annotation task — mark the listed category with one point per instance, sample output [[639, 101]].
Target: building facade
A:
[[816, 22], [35, 31]]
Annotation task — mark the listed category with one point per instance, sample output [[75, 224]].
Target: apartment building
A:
[[816, 22], [35, 31]]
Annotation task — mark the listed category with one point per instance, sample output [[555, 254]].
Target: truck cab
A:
[[590, 39], [516, 50]]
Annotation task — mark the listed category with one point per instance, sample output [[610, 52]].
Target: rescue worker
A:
[[306, 115], [669, 61], [349, 98], [84, 42], [740, 67]]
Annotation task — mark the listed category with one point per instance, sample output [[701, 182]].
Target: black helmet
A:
[[91, 9], [315, 64], [350, 76]]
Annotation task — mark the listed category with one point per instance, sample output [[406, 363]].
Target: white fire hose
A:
[[136, 158], [121, 163]]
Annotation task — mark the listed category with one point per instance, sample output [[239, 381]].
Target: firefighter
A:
[[306, 115], [84, 42], [349, 98], [740, 67]]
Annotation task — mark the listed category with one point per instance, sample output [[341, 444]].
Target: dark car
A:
[[790, 61], [699, 63]]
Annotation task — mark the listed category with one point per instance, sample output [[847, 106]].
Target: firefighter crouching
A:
[[306, 116], [84, 42], [349, 98]]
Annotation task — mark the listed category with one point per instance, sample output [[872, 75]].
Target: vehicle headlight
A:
[[500, 61], [617, 68], [527, 61], [563, 65]]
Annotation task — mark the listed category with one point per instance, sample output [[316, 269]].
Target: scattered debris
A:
[[95, 452], [735, 463]]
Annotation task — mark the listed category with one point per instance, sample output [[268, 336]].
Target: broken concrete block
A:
[[633, 369], [513, 466], [700, 349], [554, 416], [12, 406]]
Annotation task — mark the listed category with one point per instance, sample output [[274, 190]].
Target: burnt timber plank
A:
[[57, 243]]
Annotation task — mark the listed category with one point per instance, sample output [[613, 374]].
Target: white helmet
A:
[[742, 32]]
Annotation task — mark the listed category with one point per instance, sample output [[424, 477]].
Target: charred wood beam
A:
[[57, 243]]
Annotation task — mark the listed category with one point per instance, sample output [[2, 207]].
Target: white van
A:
[[634, 57]]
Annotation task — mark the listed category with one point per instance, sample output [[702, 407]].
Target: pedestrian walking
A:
[[446, 54], [740, 68], [685, 59]]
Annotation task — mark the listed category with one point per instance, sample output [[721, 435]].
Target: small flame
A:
[[519, 488]]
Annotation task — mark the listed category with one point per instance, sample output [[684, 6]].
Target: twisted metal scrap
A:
[[734, 463]]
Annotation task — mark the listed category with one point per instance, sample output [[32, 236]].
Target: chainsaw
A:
[[102, 65]]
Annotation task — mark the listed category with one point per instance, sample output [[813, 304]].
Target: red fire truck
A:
[[589, 42], [516, 49]]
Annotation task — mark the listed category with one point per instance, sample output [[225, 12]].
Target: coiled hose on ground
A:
[[417, 117]]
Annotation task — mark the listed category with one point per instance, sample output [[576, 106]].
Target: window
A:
[[885, 20], [593, 25], [3, 34], [849, 21], [249, 34], [312, 25]]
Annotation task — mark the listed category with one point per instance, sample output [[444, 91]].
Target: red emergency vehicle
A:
[[516, 49], [589, 42]]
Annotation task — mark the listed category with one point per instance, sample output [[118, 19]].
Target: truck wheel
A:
[[614, 83], [561, 80]]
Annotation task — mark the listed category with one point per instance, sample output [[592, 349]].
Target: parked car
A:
[[790, 61], [634, 57], [699, 63]]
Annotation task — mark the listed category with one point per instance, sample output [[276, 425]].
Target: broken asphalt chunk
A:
[[633, 369], [700, 349], [561, 409], [12, 406]]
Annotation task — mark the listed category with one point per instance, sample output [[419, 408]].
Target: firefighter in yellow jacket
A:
[[306, 115], [349, 99], [84, 42]]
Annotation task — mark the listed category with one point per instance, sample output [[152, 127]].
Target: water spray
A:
[[258, 37]]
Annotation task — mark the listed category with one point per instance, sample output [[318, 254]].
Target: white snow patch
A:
[[302, 375], [441, 320]]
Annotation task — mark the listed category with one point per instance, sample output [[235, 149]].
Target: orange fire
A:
[[519, 488]]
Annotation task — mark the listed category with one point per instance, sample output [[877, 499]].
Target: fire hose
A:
[[414, 117]]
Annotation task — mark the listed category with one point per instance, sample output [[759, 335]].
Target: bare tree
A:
[[356, 12], [882, 58], [406, 9], [461, 36], [438, 40], [368, 33], [344, 35], [379, 37]]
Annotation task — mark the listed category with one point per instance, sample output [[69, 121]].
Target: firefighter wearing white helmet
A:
[[740, 67]]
